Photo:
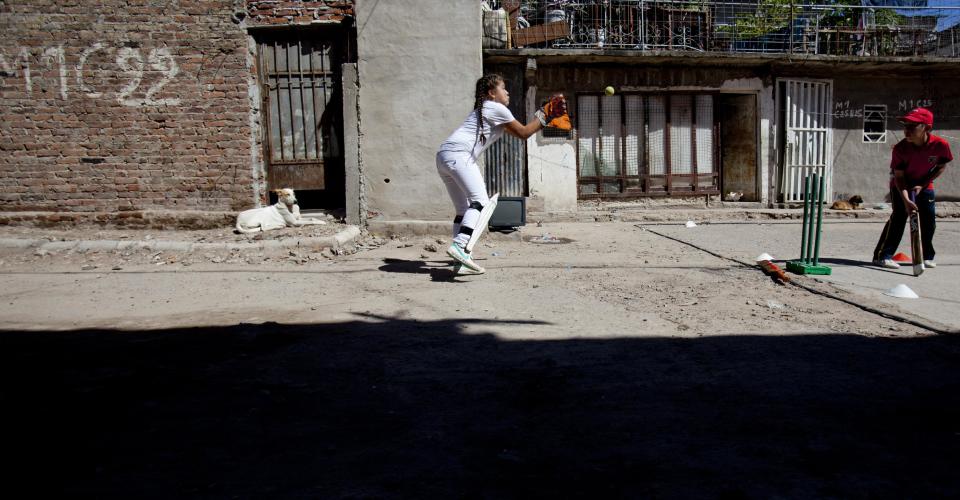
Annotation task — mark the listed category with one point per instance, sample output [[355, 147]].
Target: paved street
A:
[[592, 358], [846, 246]]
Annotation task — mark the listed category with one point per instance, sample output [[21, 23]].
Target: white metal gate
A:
[[806, 111]]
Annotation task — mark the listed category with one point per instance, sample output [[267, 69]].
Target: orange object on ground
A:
[[902, 257], [774, 271]]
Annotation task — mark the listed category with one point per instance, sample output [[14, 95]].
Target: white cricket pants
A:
[[465, 184]]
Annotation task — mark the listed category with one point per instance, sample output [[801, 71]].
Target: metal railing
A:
[[843, 27]]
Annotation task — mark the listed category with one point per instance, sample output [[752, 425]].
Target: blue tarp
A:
[[894, 3], [946, 18]]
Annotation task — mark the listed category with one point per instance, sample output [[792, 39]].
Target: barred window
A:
[[642, 144], [875, 123]]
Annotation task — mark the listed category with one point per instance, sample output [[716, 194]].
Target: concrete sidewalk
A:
[[846, 247]]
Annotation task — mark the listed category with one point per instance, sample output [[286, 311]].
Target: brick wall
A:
[[127, 105], [263, 12], [123, 105]]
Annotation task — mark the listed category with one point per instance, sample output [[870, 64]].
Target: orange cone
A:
[[902, 257]]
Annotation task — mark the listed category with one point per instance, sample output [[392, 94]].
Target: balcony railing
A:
[[759, 26]]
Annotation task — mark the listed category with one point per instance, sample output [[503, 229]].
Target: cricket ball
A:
[[608, 91]]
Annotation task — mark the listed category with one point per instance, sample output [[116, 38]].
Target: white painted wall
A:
[[418, 61], [768, 146], [552, 170]]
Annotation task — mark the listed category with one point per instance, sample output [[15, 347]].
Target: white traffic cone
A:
[[902, 291]]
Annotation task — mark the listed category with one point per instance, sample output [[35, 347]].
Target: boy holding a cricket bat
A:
[[917, 160]]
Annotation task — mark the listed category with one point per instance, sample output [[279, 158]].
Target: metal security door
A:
[[299, 74], [806, 112]]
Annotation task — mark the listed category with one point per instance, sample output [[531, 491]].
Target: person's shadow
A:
[[861, 263], [438, 271]]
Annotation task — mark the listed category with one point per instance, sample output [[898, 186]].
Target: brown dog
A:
[[853, 204]]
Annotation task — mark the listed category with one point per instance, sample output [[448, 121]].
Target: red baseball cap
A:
[[918, 115]]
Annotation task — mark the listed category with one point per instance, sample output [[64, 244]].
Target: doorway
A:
[[299, 72], [738, 145]]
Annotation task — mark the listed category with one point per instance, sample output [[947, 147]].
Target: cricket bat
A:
[[774, 272], [916, 245]]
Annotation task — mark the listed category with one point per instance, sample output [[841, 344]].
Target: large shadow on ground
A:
[[385, 407]]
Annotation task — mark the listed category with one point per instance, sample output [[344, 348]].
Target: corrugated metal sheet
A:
[[505, 162], [505, 167]]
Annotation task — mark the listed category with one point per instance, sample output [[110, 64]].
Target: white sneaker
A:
[[887, 263], [929, 264], [458, 254], [462, 270]]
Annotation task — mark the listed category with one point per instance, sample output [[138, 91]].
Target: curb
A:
[[716, 215], [339, 240]]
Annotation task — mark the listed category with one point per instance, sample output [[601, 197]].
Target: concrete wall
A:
[[552, 172], [353, 198], [863, 168], [552, 162], [859, 168], [418, 63]]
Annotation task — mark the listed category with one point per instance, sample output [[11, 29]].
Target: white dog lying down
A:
[[285, 212]]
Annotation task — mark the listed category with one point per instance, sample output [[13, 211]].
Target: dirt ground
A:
[[590, 360], [225, 234], [89, 260]]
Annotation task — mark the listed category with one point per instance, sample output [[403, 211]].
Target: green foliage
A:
[[775, 15], [841, 17], [770, 16]]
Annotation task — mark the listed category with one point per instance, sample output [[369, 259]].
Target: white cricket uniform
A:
[[457, 163]]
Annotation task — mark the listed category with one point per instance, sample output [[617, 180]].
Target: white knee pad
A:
[[482, 222]]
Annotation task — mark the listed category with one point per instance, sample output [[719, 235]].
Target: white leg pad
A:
[[482, 222]]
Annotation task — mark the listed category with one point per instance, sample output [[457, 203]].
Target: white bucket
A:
[[553, 16], [598, 36]]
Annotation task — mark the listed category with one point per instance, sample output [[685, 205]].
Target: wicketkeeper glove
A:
[[554, 113], [561, 122]]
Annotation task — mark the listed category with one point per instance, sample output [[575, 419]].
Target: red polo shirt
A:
[[917, 161]]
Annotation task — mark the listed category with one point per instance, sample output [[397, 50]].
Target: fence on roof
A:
[[914, 28]]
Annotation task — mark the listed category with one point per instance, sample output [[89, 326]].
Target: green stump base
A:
[[800, 267]]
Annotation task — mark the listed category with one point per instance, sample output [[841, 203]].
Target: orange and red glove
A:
[[554, 113]]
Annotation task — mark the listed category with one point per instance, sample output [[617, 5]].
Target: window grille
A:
[[875, 123], [634, 150], [588, 140], [681, 123], [656, 134], [646, 144]]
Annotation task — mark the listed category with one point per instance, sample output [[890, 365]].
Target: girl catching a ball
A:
[[457, 157]]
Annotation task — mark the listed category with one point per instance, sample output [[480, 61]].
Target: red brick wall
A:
[[264, 12], [124, 105]]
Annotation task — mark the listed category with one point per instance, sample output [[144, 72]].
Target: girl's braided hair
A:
[[484, 85]]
